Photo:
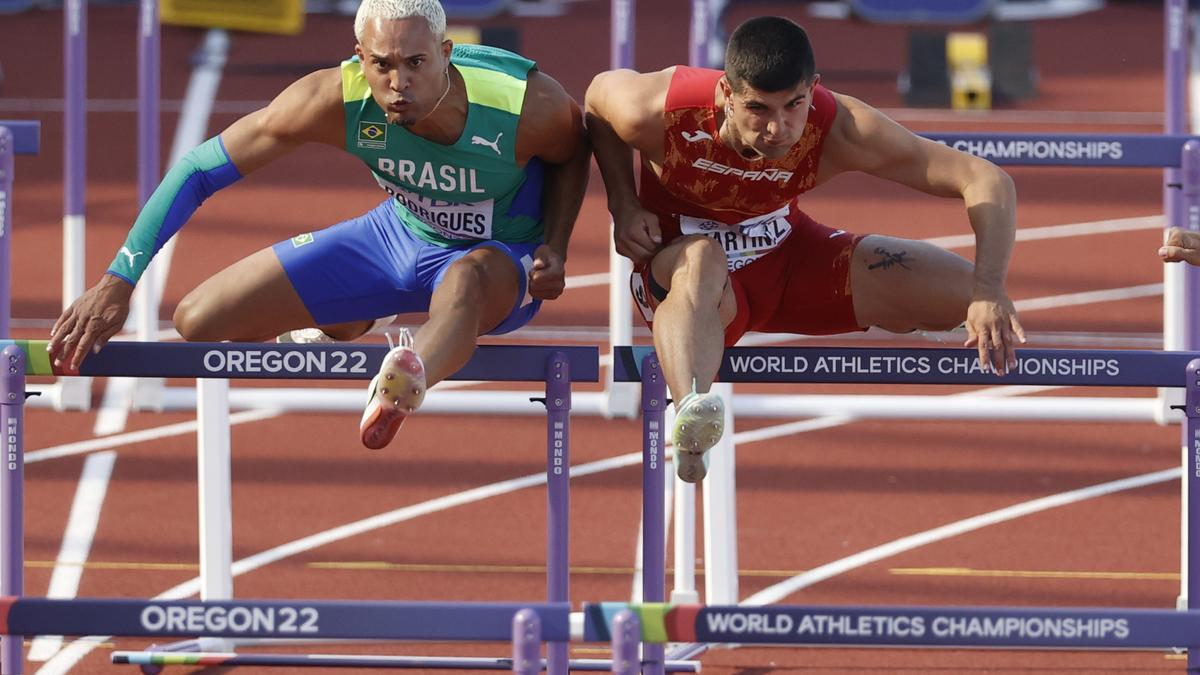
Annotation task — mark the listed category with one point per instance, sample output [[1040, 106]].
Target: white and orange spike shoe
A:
[[395, 393]]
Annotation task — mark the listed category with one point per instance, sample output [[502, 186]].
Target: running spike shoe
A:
[[395, 393], [699, 423]]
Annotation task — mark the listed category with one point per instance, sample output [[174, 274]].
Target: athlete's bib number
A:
[[743, 242], [450, 219]]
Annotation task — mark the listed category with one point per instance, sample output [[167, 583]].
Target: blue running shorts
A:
[[373, 266]]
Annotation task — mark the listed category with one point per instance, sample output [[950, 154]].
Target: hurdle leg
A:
[[558, 477], [1191, 480], [720, 514], [527, 643], [12, 523], [654, 401], [626, 633]]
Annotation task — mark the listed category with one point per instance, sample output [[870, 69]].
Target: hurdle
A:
[[557, 367], [1058, 367], [17, 137]]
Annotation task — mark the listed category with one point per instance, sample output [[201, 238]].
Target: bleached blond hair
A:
[[430, 10]]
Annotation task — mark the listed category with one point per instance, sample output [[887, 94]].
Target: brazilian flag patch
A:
[[302, 240], [372, 135]]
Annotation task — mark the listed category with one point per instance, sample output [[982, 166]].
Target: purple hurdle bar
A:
[[12, 522], [558, 476], [148, 95], [654, 572], [1192, 479], [527, 643], [75, 66], [7, 150], [626, 633]]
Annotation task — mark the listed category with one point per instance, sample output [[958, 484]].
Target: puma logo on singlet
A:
[[130, 254], [696, 136], [495, 145]]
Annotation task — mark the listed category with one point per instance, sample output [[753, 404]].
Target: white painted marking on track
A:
[[1060, 231], [77, 541], [114, 406], [1089, 297], [779, 591], [93, 444]]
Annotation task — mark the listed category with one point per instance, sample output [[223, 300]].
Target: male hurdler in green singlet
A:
[[484, 162]]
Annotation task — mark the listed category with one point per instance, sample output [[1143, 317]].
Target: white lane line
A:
[[585, 280], [114, 406], [781, 590], [178, 429], [1089, 297], [1060, 231], [77, 541]]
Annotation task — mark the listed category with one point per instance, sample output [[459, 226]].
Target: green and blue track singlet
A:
[[472, 189], [444, 201]]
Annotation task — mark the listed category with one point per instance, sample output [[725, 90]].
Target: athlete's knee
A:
[[468, 278], [195, 319], [702, 263]]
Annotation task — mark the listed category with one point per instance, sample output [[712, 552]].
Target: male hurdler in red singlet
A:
[[721, 246]]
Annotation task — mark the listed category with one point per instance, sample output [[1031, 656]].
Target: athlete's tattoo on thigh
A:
[[887, 259]]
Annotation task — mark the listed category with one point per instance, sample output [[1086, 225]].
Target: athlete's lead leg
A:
[[689, 337], [477, 293]]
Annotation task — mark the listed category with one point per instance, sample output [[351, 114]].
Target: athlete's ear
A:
[[726, 90], [447, 46], [816, 80]]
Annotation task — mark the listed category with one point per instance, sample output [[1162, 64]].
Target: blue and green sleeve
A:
[[202, 171]]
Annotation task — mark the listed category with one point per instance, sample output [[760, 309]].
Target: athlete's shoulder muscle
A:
[[863, 139], [551, 125], [310, 110], [632, 104]]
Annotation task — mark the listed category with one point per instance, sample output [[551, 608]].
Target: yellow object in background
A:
[[463, 35], [260, 16], [970, 76]]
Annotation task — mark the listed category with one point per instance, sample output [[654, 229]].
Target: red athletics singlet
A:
[[779, 258]]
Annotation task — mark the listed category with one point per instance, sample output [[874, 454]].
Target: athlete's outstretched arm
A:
[[551, 129], [307, 111], [863, 139], [623, 113]]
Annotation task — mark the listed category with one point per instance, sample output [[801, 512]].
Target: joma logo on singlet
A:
[[446, 177], [3, 212], [765, 174]]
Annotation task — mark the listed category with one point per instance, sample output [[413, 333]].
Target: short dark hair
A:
[[769, 53]]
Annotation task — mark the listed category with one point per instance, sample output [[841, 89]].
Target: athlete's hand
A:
[[548, 277], [637, 235], [993, 328], [1181, 245], [86, 326]]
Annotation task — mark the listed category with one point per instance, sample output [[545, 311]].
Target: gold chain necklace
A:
[[439, 101]]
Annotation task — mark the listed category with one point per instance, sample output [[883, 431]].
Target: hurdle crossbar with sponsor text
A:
[[1013, 627], [557, 367]]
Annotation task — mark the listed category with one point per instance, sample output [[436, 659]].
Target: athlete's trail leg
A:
[[252, 300], [902, 285]]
